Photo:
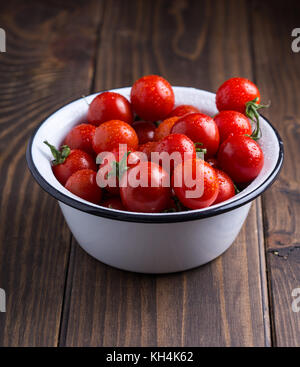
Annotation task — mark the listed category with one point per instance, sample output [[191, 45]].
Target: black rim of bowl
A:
[[155, 217]]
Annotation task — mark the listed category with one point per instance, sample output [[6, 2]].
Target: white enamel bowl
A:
[[142, 242]]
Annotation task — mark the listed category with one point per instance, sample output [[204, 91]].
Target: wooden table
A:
[[59, 295]]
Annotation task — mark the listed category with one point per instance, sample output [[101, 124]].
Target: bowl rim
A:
[[151, 217]]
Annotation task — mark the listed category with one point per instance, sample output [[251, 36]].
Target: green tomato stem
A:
[[59, 155], [252, 108]]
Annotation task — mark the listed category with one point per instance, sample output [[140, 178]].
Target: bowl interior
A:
[[56, 127]]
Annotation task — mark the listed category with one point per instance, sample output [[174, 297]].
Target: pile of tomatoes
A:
[[120, 137]]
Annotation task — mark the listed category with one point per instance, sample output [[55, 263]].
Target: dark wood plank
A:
[[49, 60], [278, 76], [221, 303]]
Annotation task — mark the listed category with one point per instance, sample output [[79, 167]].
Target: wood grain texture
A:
[[222, 303], [278, 75], [49, 62]]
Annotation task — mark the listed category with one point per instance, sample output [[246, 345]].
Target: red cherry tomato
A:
[[226, 187], [113, 203], [183, 110], [151, 195], [109, 106], [195, 183], [81, 137], [235, 93], [199, 128], [145, 131], [114, 165], [83, 184], [241, 158], [148, 148], [76, 160], [152, 98], [177, 143], [164, 128], [232, 122], [67, 161], [110, 134]]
